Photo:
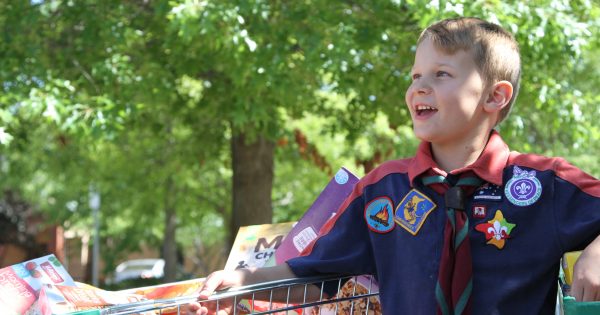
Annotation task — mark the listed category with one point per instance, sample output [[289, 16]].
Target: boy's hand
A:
[[218, 280], [221, 280], [225, 308], [586, 274]]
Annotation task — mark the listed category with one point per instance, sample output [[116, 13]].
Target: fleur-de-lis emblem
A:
[[498, 231], [523, 188]]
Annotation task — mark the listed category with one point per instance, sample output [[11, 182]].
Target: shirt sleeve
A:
[[577, 206], [342, 248]]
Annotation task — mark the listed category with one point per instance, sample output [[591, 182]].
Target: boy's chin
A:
[[423, 136]]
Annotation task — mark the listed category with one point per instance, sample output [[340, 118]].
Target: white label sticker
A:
[[302, 239]]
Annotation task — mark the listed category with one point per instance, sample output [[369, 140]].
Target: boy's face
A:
[[445, 95]]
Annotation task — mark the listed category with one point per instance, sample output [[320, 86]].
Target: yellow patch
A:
[[413, 210]]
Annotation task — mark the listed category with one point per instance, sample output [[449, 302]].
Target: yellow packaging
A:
[[568, 262]]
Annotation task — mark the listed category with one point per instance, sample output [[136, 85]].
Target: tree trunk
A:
[[252, 165], [169, 242]]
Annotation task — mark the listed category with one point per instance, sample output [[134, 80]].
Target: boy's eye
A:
[[442, 74], [416, 76]]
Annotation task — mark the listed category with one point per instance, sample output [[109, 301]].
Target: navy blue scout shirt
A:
[[531, 211]]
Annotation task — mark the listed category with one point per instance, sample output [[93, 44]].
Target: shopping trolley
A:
[[352, 298]]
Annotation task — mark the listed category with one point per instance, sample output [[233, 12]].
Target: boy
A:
[[463, 198]]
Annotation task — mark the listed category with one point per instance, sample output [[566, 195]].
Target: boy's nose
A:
[[423, 89], [421, 86]]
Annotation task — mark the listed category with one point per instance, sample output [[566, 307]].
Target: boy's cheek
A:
[[408, 98]]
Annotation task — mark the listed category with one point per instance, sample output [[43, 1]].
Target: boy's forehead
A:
[[428, 54]]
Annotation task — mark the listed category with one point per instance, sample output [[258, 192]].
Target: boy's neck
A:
[[455, 156]]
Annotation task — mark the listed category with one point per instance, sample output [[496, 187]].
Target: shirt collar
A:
[[489, 166]]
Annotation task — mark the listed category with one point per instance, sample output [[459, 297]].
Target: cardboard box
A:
[[61, 299], [84, 298], [307, 230], [322, 209], [168, 290], [254, 245], [271, 244], [20, 284], [42, 286]]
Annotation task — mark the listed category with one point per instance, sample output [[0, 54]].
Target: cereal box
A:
[[306, 231], [254, 245], [323, 208]]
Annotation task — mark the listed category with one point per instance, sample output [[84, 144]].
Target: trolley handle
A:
[[249, 292]]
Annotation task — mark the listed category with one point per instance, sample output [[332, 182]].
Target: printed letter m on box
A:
[[263, 242]]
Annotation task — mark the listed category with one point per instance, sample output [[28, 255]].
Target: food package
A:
[[270, 244], [306, 231], [62, 299], [168, 290], [255, 246], [354, 287], [568, 262], [322, 209], [42, 286], [57, 299], [568, 305], [20, 284]]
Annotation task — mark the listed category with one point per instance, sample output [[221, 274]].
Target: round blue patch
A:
[[379, 215], [341, 177]]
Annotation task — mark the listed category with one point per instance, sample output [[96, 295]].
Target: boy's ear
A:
[[498, 96]]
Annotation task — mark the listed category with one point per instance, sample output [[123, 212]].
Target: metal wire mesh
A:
[[352, 298]]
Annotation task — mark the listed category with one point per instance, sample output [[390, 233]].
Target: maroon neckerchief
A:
[[455, 276]]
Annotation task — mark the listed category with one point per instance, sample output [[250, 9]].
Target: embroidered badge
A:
[[496, 230], [413, 210], [488, 192], [523, 189], [379, 215], [479, 212]]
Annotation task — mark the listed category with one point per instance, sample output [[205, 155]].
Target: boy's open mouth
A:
[[425, 110]]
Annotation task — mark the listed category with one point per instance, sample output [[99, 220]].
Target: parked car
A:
[[150, 268]]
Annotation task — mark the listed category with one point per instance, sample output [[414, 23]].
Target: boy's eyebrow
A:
[[438, 64]]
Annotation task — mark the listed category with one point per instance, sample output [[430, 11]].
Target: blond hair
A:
[[495, 51]]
